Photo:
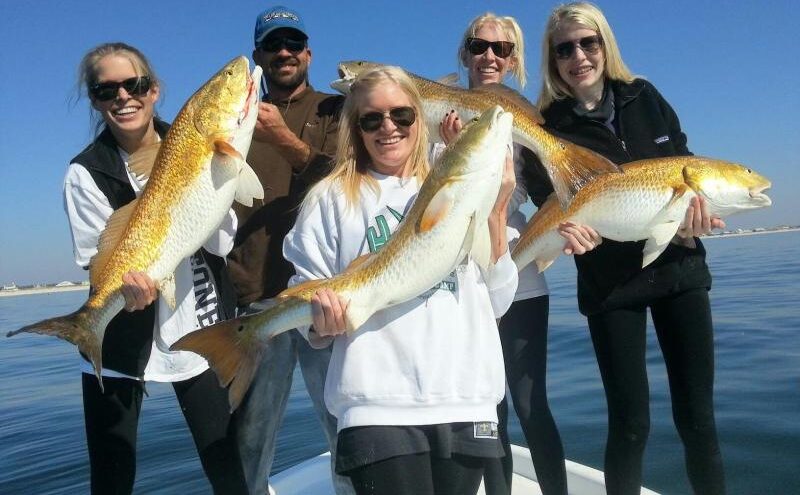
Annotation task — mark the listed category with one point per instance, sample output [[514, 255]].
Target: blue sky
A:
[[729, 69]]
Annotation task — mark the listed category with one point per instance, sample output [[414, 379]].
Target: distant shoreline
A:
[[42, 290], [750, 232]]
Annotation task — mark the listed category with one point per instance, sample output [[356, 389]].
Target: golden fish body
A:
[[568, 165], [447, 222], [194, 176], [647, 201]]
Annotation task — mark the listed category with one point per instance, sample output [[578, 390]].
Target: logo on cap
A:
[[282, 15]]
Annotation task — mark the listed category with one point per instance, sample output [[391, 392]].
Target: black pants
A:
[[419, 474], [685, 334], [523, 334], [112, 421]]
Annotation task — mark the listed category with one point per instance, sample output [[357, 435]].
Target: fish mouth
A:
[[251, 101], [757, 194]]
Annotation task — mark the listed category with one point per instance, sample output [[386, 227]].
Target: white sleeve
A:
[[87, 210], [501, 280], [312, 247]]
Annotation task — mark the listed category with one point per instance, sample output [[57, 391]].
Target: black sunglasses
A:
[[276, 43], [134, 86], [589, 44], [401, 116], [477, 46]]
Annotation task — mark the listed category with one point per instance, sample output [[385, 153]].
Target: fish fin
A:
[[480, 248], [249, 186], [356, 314], [109, 239], [167, 289], [437, 208], [223, 147], [141, 162], [296, 290], [449, 80], [660, 236], [75, 328], [572, 167], [232, 350], [543, 265], [677, 193], [516, 97]]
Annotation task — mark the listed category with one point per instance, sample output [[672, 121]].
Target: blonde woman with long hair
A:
[[406, 415]]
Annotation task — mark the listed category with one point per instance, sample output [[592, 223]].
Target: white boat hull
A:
[[312, 477]]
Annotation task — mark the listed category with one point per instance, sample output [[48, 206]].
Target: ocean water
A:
[[756, 307]]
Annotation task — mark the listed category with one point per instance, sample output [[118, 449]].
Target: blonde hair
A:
[[87, 70], [352, 159], [513, 32], [591, 17]]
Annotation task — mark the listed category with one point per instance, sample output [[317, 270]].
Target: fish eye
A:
[[749, 171], [229, 72], [562, 145]]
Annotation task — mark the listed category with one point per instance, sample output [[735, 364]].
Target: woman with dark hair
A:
[[123, 90]]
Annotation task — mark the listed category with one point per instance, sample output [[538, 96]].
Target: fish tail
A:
[[233, 352], [76, 328]]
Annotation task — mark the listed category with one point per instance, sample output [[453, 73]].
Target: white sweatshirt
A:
[[434, 359], [88, 210]]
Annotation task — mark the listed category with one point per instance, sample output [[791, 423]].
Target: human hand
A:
[[580, 238], [697, 220], [270, 125], [450, 126], [139, 290], [328, 310]]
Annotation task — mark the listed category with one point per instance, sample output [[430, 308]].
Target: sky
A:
[[728, 68]]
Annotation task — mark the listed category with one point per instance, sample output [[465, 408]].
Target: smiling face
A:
[[582, 72], [391, 145], [126, 115], [285, 70], [487, 67]]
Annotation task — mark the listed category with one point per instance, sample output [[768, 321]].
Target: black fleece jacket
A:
[[610, 276]]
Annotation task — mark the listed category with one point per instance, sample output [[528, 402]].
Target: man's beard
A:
[[287, 83]]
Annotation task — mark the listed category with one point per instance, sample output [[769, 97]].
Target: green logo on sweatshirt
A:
[[377, 240]]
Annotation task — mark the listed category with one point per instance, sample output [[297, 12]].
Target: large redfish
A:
[[647, 201], [194, 175]]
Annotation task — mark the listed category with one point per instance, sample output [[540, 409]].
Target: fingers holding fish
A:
[[450, 126], [507, 185], [698, 221], [139, 290], [328, 310], [580, 238]]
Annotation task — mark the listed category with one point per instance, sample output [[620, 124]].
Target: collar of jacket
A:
[[292, 99], [102, 154], [560, 114]]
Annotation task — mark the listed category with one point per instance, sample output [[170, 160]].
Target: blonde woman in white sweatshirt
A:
[[415, 388]]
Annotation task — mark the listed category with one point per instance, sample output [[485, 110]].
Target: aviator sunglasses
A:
[[477, 46], [276, 43], [401, 116], [134, 86], [589, 44]]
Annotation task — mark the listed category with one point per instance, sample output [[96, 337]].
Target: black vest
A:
[[129, 335]]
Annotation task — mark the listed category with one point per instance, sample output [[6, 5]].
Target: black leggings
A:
[[419, 474], [112, 420], [523, 334], [685, 334]]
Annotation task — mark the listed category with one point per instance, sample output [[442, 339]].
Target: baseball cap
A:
[[275, 18]]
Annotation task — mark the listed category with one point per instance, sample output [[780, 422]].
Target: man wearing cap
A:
[[293, 146]]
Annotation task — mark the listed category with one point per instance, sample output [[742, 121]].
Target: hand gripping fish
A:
[[568, 165], [647, 201], [194, 175], [447, 222]]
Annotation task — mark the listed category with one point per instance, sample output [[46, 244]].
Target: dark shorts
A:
[[363, 445]]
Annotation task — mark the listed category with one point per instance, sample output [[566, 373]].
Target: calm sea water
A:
[[756, 305]]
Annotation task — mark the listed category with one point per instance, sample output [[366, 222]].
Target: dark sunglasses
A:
[[134, 86], [276, 43], [401, 116], [477, 46], [589, 44]]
